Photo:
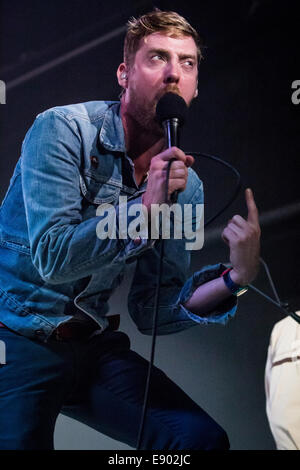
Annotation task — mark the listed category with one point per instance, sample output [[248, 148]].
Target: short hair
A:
[[167, 22]]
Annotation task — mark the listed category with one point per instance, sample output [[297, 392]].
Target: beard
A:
[[143, 111]]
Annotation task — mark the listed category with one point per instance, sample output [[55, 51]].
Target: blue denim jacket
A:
[[52, 264]]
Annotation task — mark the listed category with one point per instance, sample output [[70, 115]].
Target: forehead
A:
[[180, 44]]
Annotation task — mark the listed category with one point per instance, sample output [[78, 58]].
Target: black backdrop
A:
[[244, 114]]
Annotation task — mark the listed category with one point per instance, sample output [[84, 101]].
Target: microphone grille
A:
[[171, 106]]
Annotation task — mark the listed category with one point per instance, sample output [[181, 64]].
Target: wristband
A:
[[235, 289]]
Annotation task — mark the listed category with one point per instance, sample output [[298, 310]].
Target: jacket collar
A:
[[112, 133]]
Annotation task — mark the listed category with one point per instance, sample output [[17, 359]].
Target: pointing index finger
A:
[[252, 209]]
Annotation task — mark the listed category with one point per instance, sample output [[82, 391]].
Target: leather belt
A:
[[80, 330]]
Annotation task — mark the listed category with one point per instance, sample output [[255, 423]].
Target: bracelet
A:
[[235, 289]]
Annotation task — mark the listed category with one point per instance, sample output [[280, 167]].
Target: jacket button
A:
[[137, 241], [94, 161]]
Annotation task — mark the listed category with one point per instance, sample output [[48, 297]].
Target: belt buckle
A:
[[61, 330]]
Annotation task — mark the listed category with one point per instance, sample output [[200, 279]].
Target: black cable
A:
[[270, 279], [284, 307], [159, 276], [236, 190], [156, 303]]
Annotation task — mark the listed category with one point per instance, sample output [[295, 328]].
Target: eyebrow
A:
[[164, 52]]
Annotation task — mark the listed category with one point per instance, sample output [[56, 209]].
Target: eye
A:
[[156, 57], [189, 63]]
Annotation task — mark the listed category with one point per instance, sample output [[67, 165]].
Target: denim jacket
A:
[[53, 264]]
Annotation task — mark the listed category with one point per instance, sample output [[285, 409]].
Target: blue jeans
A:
[[99, 381]]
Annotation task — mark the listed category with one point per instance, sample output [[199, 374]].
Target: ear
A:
[[122, 75], [196, 91]]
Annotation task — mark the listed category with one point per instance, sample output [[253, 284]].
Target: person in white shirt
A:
[[282, 383]]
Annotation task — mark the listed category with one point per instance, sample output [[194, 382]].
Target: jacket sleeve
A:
[[176, 288], [64, 247]]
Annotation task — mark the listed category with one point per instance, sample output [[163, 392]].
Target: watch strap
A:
[[235, 289]]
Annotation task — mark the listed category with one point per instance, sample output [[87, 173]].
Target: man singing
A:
[[64, 351]]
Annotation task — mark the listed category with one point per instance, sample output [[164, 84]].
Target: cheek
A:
[[190, 88], [148, 84], [150, 78], [150, 74]]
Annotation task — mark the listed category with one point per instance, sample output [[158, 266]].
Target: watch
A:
[[235, 289]]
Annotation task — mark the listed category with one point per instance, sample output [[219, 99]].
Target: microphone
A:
[[171, 111]]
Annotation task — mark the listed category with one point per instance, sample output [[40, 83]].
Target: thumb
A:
[[189, 160]]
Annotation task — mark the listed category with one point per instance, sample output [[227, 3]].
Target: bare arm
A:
[[242, 237]]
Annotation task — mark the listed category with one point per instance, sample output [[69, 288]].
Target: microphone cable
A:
[[159, 276], [283, 306], [237, 185]]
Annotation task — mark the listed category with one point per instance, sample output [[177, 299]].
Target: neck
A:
[[141, 144]]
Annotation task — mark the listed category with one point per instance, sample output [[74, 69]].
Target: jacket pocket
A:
[[14, 244], [99, 190]]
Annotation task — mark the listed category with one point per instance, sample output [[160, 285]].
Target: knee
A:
[[218, 439], [192, 434], [208, 436]]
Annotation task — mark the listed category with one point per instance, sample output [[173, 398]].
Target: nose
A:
[[172, 72]]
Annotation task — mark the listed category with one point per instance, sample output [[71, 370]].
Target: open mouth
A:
[[168, 89]]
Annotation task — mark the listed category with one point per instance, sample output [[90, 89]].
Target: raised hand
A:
[[243, 239]]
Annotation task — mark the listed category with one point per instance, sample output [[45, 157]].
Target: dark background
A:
[[243, 113]]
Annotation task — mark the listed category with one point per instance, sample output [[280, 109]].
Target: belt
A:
[[78, 330]]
